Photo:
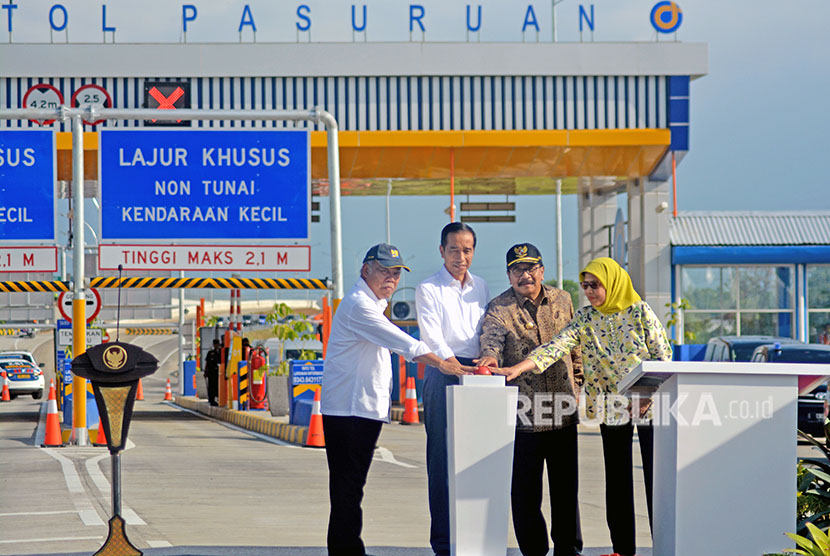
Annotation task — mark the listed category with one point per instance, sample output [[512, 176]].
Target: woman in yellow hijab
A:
[[616, 331]]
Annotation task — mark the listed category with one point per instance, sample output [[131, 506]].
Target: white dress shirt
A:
[[450, 315], [357, 374]]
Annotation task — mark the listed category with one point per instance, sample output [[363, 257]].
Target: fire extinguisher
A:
[[259, 382]]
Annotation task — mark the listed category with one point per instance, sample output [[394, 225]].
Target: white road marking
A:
[[104, 488], [54, 539], [159, 544], [169, 355], [53, 512], [384, 454], [86, 511]]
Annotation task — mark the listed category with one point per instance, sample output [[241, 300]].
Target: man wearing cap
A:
[[525, 316], [356, 390], [450, 305]]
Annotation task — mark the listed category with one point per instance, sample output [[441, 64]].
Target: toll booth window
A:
[[738, 300]]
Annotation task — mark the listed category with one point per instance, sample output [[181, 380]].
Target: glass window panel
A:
[[700, 327], [766, 287], [769, 324], [710, 287], [818, 287], [819, 327]]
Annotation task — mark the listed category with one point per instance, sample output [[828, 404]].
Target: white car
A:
[[23, 378], [24, 355]]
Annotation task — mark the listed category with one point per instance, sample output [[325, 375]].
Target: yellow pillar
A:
[[80, 434]]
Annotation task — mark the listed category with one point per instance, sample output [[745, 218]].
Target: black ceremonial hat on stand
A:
[[114, 369]]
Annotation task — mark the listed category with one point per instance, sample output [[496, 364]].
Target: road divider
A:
[[262, 424], [259, 422]]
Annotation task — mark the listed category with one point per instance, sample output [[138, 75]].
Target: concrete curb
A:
[[251, 421], [397, 414], [265, 424]]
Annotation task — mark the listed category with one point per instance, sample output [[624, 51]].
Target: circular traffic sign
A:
[[91, 96], [43, 96], [93, 304]]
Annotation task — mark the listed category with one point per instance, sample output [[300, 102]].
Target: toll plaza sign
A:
[[27, 186], [218, 185]]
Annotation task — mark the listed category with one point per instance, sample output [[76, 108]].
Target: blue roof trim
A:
[[765, 254], [677, 110]]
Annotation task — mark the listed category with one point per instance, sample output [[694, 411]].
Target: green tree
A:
[[289, 325], [570, 286]]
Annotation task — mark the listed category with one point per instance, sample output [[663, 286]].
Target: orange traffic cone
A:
[[410, 404], [139, 395], [315, 437], [53, 426], [5, 397], [168, 393], [101, 437]]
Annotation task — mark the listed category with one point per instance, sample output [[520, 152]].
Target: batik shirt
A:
[[612, 345], [513, 326]]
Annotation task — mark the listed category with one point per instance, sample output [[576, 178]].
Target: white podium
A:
[[724, 453], [481, 424]]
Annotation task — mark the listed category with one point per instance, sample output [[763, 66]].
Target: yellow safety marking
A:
[[9, 331], [151, 331], [34, 286], [212, 283], [41, 286]]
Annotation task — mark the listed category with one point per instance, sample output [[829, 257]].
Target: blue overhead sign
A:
[[205, 184], [27, 185]]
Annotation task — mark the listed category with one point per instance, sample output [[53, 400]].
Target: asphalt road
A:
[[195, 486]]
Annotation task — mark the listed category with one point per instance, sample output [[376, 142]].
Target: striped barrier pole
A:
[[243, 386], [231, 322], [57, 286]]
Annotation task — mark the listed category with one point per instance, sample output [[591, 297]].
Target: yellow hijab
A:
[[619, 292]]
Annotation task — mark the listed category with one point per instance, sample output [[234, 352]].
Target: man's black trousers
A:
[[531, 451], [350, 445], [212, 376]]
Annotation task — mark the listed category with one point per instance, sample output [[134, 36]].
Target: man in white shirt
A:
[[357, 389], [450, 306]]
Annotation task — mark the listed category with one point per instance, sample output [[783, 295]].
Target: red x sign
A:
[[166, 103]]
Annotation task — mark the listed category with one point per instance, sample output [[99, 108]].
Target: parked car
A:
[[811, 406], [739, 348], [24, 378], [24, 355], [246, 320]]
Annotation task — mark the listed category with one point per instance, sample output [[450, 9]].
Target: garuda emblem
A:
[[115, 357], [520, 250]]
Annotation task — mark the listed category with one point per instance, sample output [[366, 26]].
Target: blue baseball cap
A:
[[386, 255]]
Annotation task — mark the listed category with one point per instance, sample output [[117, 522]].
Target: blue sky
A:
[[759, 120]]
